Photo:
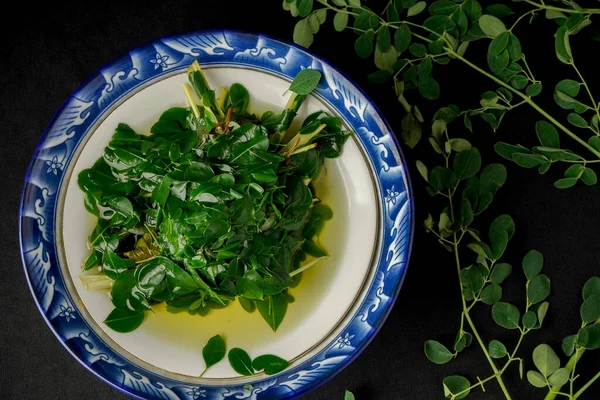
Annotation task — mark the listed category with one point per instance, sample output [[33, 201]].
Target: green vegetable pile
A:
[[216, 203]]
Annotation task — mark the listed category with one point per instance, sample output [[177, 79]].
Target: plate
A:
[[340, 305]]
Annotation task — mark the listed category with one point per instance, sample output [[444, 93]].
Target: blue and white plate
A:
[[341, 303]]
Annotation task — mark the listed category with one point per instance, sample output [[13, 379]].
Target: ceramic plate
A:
[[340, 304]]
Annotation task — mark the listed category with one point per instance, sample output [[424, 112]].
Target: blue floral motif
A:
[[67, 313], [159, 61], [344, 341], [196, 393], [91, 102], [391, 195], [54, 166]]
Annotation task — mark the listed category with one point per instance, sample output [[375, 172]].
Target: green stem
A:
[[521, 17], [497, 373], [564, 10], [480, 383], [511, 358], [527, 99], [587, 385], [527, 66], [203, 372], [595, 106], [338, 10], [570, 365]]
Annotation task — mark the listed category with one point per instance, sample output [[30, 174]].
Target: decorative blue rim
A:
[[37, 214]]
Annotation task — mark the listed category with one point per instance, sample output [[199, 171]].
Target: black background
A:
[[57, 45]]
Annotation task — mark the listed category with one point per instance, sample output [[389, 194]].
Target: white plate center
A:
[[173, 342]]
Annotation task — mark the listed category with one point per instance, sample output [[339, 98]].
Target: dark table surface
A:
[[57, 45]]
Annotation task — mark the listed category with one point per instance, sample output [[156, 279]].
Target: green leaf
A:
[[463, 339], [384, 40], [538, 289], [437, 352], [559, 377], [491, 25], [595, 142], [126, 295], [442, 7], [500, 272], [304, 7], [491, 294], [590, 309], [547, 134], [429, 88], [499, 44], [568, 345], [565, 183], [506, 315], [482, 249], [124, 320], [249, 287], [562, 46], [536, 379], [340, 21], [541, 312], [456, 384], [519, 82], [577, 120], [247, 305], [589, 337], [501, 230], [459, 145], [591, 287], [467, 163], [532, 264], [402, 38], [529, 320], [589, 177], [270, 364], [198, 172], [471, 279], [240, 362], [498, 62], [498, 10], [529, 160], [364, 44], [534, 89], [213, 351], [113, 265], [416, 9], [306, 81], [423, 170], [349, 396], [545, 360], [303, 33], [492, 178], [418, 50], [497, 349], [161, 191], [273, 309], [544, 168], [380, 76], [411, 130], [574, 171], [507, 150]]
